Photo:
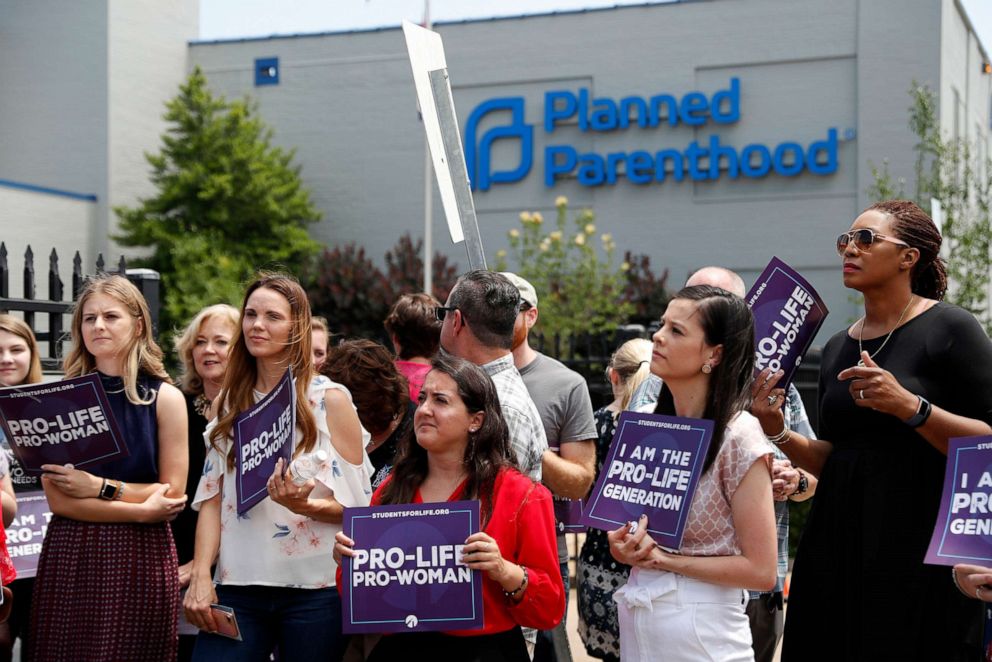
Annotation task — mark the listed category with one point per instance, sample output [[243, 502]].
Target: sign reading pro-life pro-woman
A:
[[67, 422], [787, 314], [262, 435], [407, 573], [963, 533], [652, 469]]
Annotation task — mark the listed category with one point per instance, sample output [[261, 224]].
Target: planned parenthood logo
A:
[[478, 151], [705, 159]]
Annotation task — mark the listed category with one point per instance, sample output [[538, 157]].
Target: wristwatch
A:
[[109, 490], [921, 415]]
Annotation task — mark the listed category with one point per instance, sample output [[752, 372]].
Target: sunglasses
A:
[[441, 311], [863, 239]]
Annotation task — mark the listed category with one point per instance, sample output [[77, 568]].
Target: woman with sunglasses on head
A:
[[894, 387], [690, 605], [107, 586], [275, 565]]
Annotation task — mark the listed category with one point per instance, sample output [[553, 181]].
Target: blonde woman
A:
[[599, 574], [203, 349], [108, 586]]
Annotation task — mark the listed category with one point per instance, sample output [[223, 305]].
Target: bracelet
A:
[[523, 584], [781, 437], [120, 491], [954, 578]]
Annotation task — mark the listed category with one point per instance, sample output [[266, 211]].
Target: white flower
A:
[[525, 217], [555, 236], [514, 233], [537, 218], [561, 201], [625, 266], [580, 240], [590, 228]]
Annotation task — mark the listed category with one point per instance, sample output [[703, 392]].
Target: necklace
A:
[[201, 405], [861, 331]]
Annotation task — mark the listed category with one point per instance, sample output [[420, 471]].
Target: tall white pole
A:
[[428, 195]]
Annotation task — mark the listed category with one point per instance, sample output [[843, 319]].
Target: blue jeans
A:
[[305, 624]]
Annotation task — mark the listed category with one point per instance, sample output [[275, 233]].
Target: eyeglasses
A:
[[441, 311], [863, 238]]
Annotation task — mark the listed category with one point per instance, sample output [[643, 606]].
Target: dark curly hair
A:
[[366, 368], [488, 449]]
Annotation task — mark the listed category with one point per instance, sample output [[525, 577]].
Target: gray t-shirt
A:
[[562, 400]]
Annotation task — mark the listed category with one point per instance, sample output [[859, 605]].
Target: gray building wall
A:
[[82, 92], [346, 103]]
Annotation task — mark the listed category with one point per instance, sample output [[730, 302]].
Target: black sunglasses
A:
[[441, 311], [863, 239]]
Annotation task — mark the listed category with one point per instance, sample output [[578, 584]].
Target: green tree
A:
[[228, 202], [949, 171], [579, 288]]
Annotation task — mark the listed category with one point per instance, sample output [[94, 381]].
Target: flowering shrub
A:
[[579, 286]]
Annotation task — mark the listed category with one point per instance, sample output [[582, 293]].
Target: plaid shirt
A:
[[527, 437], [796, 419]]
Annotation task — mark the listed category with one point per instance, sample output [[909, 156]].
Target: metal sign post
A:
[[430, 76]]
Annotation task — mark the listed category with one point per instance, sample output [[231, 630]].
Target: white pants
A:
[[667, 617]]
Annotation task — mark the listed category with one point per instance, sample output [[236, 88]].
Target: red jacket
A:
[[523, 524]]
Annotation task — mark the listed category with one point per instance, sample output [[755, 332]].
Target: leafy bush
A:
[[579, 288]]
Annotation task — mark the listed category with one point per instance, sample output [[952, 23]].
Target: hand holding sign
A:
[[975, 581], [874, 387], [632, 544]]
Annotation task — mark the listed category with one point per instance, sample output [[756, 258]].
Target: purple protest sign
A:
[[568, 515], [652, 469], [963, 533], [787, 314], [26, 533], [67, 422], [262, 435], [406, 573]]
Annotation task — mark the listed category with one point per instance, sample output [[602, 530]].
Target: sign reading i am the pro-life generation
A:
[[788, 312], [262, 435], [26, 533], [406, 574], [67, 422], [963, 532], [652, 469]]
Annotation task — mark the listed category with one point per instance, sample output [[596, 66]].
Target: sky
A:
[[227, 19]]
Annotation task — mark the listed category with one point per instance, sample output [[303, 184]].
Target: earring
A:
[[473, 430], [707, 368]]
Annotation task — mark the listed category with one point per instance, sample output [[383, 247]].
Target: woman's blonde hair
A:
[[237, 394], [632, 364], [142, 355], [19, 328], [189, 380]]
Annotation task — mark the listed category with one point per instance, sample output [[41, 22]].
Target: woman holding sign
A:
[[461, 451], [690, 605], [275, 567], [894, 387], [107, 586], [20, 363]]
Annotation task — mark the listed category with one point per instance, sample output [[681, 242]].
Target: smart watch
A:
[[921, 415]]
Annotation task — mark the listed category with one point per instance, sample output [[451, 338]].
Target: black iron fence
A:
[[56, 306]]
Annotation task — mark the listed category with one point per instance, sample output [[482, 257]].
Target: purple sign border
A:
[[478, 602], [673, 537], [93, 381], [934, 554]]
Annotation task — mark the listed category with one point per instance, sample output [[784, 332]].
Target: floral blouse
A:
[[271, 545]]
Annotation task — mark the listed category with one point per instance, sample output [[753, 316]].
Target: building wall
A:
[[346, 103]]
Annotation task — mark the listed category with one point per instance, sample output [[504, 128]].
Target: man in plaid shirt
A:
[[477, 325]]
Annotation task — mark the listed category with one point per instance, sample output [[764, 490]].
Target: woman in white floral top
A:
[[689, 605], [275, 567]]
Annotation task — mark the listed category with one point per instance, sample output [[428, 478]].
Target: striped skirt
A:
[[105, 592]]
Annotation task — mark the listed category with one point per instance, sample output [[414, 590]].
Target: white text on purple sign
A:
[[58, 429], [772, 349]]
